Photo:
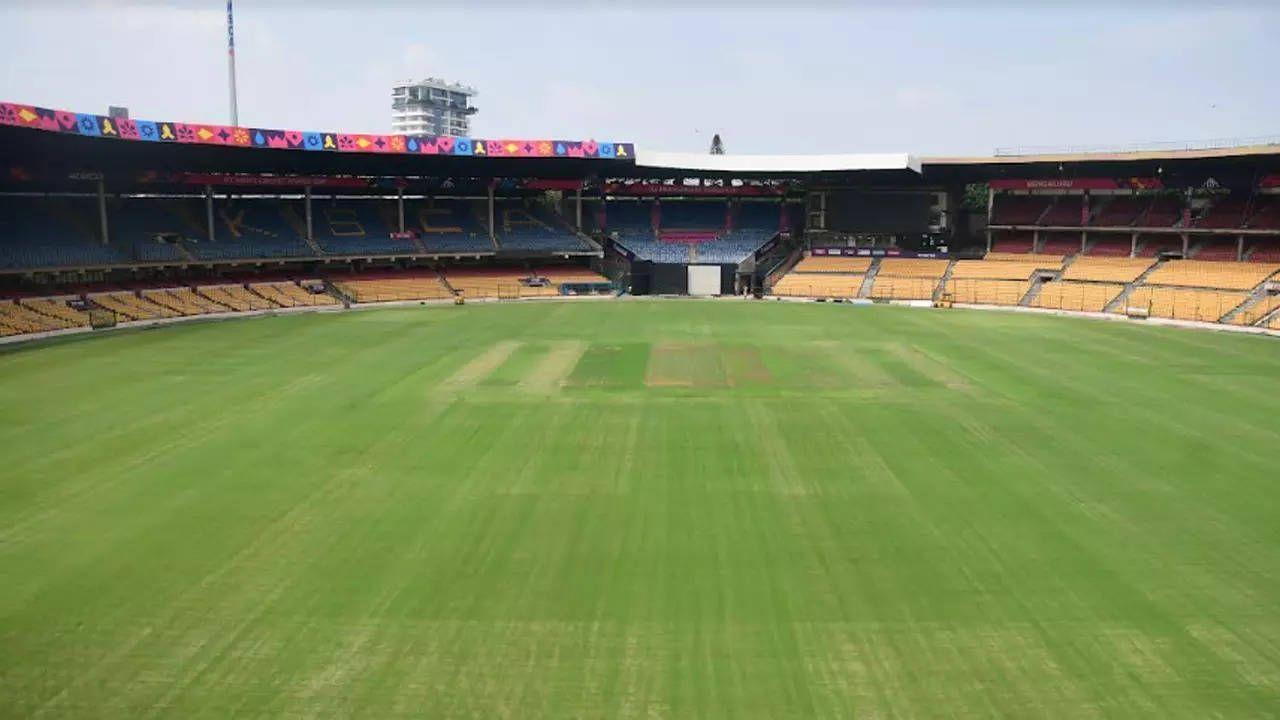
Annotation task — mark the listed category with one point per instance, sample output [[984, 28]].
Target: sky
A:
[[949, 78]]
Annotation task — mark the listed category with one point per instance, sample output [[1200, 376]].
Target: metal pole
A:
[[579, 207], [231, 64], [208, 210], [1239, 248], [491, 238], [1186, 245], [307, 203], [400, 207], [1133, 245], [102, 209]]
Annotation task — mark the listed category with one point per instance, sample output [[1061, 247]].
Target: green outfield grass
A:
[[642, 510]]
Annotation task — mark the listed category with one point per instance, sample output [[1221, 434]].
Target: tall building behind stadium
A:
[[432, 107]]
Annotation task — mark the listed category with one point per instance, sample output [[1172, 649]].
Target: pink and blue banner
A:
[[161, 131]]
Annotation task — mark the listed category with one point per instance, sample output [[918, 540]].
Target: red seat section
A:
[[1119, 211], [1109, 246], [1153, 245], [1228, 212], [1060, 243], [688, 236], [1267, 214], [1018, 209], [1164, 211], [1216, 250], [1012, 242], [1267, 250], [1065, 212]]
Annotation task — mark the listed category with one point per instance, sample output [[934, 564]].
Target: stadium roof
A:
[[775, 164]]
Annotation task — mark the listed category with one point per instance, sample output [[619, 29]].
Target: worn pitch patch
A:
[[554, 367], [480, 367]]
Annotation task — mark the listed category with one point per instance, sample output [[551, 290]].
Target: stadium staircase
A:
[[1122, 299], [445, 282], [1258, 294], [339, 294], [1032, 292], [1267, 319], [942, 282], [300, 227], [869, 280]]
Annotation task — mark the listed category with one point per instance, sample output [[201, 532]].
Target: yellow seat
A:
[[1081, 296], [1107, 269]]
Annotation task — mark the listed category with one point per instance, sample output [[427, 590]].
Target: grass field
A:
[[642, 510]]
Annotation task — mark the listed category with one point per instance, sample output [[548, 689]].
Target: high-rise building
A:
[[431, 107]]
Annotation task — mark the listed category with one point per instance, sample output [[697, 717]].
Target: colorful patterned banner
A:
[[62, 121]]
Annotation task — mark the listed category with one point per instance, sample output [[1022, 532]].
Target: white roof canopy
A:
[[776, 163]]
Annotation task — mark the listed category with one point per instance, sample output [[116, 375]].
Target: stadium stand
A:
[[1266, 250], [1224, 213], [1108, 246], [1106, 269], [38, 315], [1065, 212], [1018, 209], [253, 229], [1184, 303], [390, 286], [528, 227], [354, 227], [1079, 296], [130, 306], [445, 226], [1040, 260], [1154, 245], [495, 283], [1215, 249], [995, 269], [832, 264], [1164, 211], [236, 297], [987, 292], [1118, 211], [908, 278], [1012, 242], [1211, 274], [290, 294], [1266, 214], [1259, 310], [825, 285], [1060, 244], [51, 232]]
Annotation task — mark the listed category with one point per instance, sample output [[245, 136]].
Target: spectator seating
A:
[[995, 269], [1079, 296], [130, 306], [1065, 212], [1019, 209], [1257, 311], [38, 315], [290, 294], [1046, 261], [562, 275], [1118, 211], [355, 227], [254, 229], [1266, 215], [826, 285], [385, 287], [1109, 246], [1060, 243], [235, 297], [1215, 249], [1106, 269], [529, 228], [1154, 245], [908, 278], [1011, 241], [1211, 274], [1164, 211], [1225, 213], [1183, 303], [986, 292], [832, 264], [694, 215], [52, 232], [445, 226], [495, 283], [1265, 250]]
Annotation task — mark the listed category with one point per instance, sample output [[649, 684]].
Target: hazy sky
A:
[[817, 77]]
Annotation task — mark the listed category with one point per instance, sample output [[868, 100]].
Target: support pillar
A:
[[1133, 245], [991, 203], [1186, 245], [208, 211], [578, 209], [306, 201], [400, 207], [1084, 240], [491, 233], [1035, 241], [1239, 248], [102, 210]]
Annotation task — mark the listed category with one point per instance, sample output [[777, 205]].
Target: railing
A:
[[1212, 144]]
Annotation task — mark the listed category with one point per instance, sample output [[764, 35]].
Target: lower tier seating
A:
[[496, 283], [1106, 269], [832, 264], [1079, 296], [390, 287], [827, 285], [1257, 311], [1184, 303], [1211, 274], [995, 270], [987, 292], [1042, 260]]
